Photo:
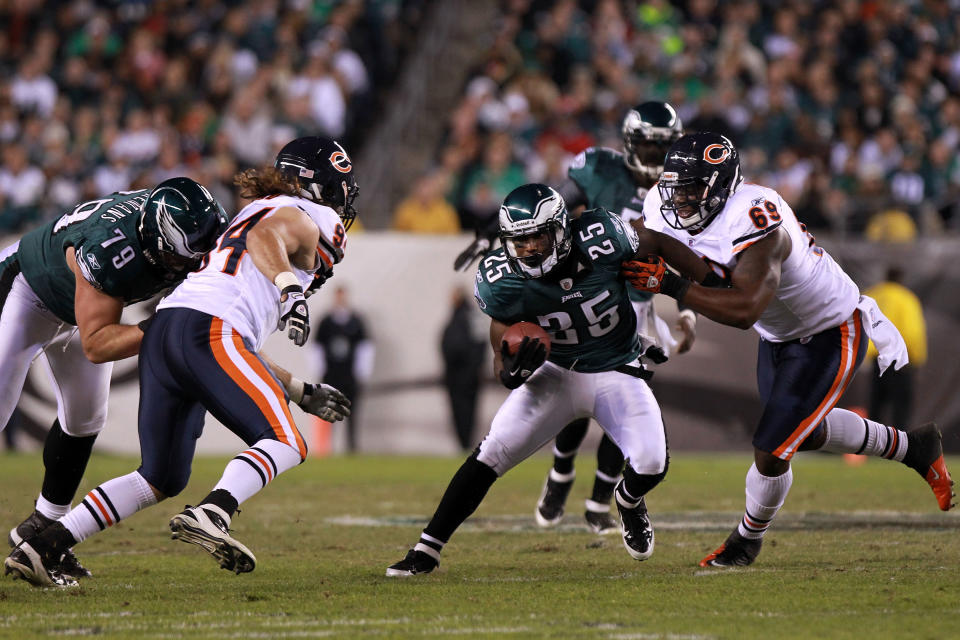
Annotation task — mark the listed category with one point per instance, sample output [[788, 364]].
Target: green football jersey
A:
[[583, 304], [608, 183], [104, 236]]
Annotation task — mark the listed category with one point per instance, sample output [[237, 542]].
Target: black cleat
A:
[[736, 551], [925, 456], [415, 563], [35, 567], [549, 509], [70, 567], [599, 520], [636, 528], [34, 524]]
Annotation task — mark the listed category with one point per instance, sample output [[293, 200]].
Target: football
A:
[[516, 332]]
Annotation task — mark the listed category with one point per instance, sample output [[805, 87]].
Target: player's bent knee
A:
[[639, 484], [166, 485], [279, 455], [494, 454]]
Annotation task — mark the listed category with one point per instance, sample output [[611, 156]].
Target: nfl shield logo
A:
[[566, 284]]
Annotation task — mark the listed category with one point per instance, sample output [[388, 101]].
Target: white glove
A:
[[325, 402]]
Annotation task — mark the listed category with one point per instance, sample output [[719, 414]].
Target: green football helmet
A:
[[648, 131], [534, 230], [180, 222]]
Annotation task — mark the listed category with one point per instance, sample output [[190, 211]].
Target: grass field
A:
[[857, 552]]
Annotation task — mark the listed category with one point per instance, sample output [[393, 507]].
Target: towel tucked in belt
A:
[[891, 348]]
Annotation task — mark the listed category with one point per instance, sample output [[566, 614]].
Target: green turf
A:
[[857, 552]]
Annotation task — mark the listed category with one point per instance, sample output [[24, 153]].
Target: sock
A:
[[64, 460], [108, 504], [609, 465], [251, 470], [52, 511], [430, 546], [221, 499], [849, 433], [567, 444], [765, 496], [464, 494]]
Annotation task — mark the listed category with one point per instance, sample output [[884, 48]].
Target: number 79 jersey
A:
[[231, 287], [814, 293], [583, 304]]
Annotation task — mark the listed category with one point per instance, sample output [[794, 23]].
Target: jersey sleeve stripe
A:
[[756, 234], [756, 237], [325, 257], [335, 254]]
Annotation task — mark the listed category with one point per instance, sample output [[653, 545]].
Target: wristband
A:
[[713, 280], [689, 315], [286, 279], [295, 390], [674, 286]]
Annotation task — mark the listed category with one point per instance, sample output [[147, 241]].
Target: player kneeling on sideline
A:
[[813, 324], [563, 275], [200, 353], [63, 288]]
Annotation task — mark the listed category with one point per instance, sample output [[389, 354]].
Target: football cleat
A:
[[549, 509], [636, 529], [27, 563], [208, 529], [599, 519], [69, 565], [925, 456], [736, 551], [415, 563]]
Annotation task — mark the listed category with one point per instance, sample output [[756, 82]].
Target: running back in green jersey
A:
[[607, 183], [104, 235], [583, 304]]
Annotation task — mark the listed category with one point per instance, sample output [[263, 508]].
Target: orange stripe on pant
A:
[[231, 369], [848, 360], [257, 365]]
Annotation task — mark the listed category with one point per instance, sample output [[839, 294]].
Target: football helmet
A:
[[700, 172], [179, 223], [648, 131], [325, 173], [534, 230]]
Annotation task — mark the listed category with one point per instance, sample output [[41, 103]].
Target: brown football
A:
[[516, 332]]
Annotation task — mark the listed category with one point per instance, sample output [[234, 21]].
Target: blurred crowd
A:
[[849, 108], [100, 96]]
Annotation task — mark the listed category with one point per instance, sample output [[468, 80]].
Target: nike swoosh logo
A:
[[936, 476]]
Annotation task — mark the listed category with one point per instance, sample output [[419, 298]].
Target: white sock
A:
[[251, 470], [108, 504], [765, 496], [52, 511], [849, 433]]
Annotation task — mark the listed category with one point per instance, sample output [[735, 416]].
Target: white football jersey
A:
[[232, 288], [814, 294]]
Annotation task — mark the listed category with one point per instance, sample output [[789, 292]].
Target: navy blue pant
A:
[[190, 363], [801, 381]]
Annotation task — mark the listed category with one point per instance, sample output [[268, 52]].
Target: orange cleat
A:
[[736, 551], [925, 456]]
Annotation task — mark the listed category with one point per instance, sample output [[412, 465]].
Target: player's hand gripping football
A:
[[325, 402], [651, 275], [294, 311], [518, 367]]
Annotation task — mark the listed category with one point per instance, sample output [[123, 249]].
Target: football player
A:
[[200, 353], [63, 288], [564, 276], [813, 324]]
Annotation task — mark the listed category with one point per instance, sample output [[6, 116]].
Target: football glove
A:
[[294, 311], [652, 351], [651, 275], [319, 278], [518, 367], [325, 402], [476, 249]]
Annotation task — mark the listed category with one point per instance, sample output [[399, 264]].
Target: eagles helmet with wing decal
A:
[[648, 131], [534, 230], [179, 223]]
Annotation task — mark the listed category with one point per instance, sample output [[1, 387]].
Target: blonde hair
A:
[[269, 181]]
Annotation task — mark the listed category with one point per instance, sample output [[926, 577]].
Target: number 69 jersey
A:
[[583, 303], [814, 293], [231, 287]]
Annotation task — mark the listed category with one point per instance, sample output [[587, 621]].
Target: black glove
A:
[[325, 402], [518, 367], [655, 354], [476, 249], [294, 310], [319, 278]]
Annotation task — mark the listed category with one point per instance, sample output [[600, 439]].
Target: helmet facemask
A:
[[534, 254], [690, 203], [648, 132]]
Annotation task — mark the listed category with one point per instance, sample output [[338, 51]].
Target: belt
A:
[[636, 372]]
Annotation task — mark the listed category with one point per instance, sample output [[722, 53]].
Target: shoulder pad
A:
[[497, 289], [749, 215], [604, 237]]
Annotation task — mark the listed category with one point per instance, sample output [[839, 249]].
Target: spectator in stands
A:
[[894, 391], [21, 189], [425, 209], [345, 356]]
